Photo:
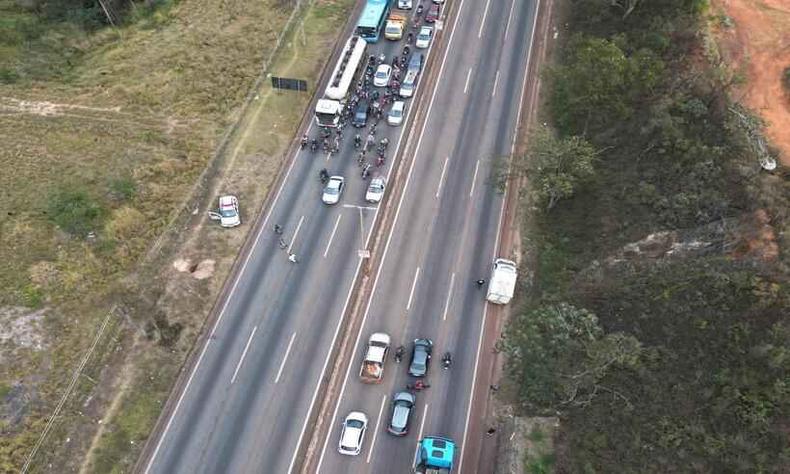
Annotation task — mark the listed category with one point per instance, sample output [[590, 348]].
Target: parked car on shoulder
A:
[[228, 211]]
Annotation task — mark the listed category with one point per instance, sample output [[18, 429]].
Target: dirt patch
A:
[[21, 328], [755, 38]]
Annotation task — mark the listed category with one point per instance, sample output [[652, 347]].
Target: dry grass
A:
[[144, 104]]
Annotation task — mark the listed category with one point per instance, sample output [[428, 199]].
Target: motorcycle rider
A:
[[447, 360], [399, 353], [323, 175]]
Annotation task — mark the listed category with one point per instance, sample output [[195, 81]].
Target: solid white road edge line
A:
[[441, 178], [332, 237], [296, 232], [389, 237], [285, 357], [243, 355], [483, 22], [413, 286], [468, 76], [474, 178], [376, 431], [222, 312], [496, 245], [449, 295]]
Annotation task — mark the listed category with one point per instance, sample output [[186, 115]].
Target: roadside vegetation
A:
[[656, 325], [108, 124]]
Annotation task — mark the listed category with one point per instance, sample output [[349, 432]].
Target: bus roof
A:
[[371, 15], [347, 65]]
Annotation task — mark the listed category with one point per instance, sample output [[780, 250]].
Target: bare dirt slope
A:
[[756, 39]]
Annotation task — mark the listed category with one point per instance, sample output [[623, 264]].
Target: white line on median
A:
[[296, 232], [468, 76], [496, 81], [386, 248], [413, 286], [243, 354], [376, 431], [441, 178], [449, 294], [285, 357], [331, 237], [482, 23], [496, 245], [474, 178]]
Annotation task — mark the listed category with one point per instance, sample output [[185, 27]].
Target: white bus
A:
[[352, 58]]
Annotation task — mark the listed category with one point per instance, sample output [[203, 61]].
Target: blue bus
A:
[[372, 20]]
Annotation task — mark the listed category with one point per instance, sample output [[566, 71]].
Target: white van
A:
[[503, 282]]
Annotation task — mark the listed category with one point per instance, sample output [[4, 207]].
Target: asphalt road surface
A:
[[246, 403], [247, 400], [443, 241]]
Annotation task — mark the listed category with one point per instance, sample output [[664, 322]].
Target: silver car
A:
[[333, 190], [402, 406]]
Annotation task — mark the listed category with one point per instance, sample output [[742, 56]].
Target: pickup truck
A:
[[372, 370], [396, 23], [503, 281]]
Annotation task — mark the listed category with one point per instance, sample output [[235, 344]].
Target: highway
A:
[[246, 401], [443, 240]]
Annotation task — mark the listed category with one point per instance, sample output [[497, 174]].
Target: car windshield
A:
[[331, 190], [381, 74], [396, 112], [227, 212], [376, 188], [354, 424]]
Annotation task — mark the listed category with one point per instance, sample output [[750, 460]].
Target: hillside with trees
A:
[[656, 325]]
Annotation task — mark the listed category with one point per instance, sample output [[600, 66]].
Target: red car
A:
[[433, 13]]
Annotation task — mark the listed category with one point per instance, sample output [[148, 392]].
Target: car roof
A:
[[398, 105], [426, 29]]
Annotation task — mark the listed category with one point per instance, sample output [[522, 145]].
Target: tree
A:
[[558, 355], [557, 166]]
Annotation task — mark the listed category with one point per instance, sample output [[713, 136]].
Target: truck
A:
[[434, 455], [329, 108], [503, 281], [372, 370], [396, 23]]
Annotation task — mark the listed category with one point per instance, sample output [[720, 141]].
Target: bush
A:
[[123, 188], [75, 211]]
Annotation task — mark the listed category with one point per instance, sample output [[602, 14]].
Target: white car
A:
[[228, 212], [375, 190], [382, 76], [424, 37], [404, 4], [333, 190], [438, 1], [354, 427], [396, 113]]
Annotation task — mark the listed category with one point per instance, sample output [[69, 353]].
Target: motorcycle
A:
[[323, 175], [420, 8], [314, 145], [447, 361], [304, 142], [399, 354], [380, 160], [357, 141], [366, 171]]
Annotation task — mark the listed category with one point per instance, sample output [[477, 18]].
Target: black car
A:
[[360, 114], [420, 357]]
